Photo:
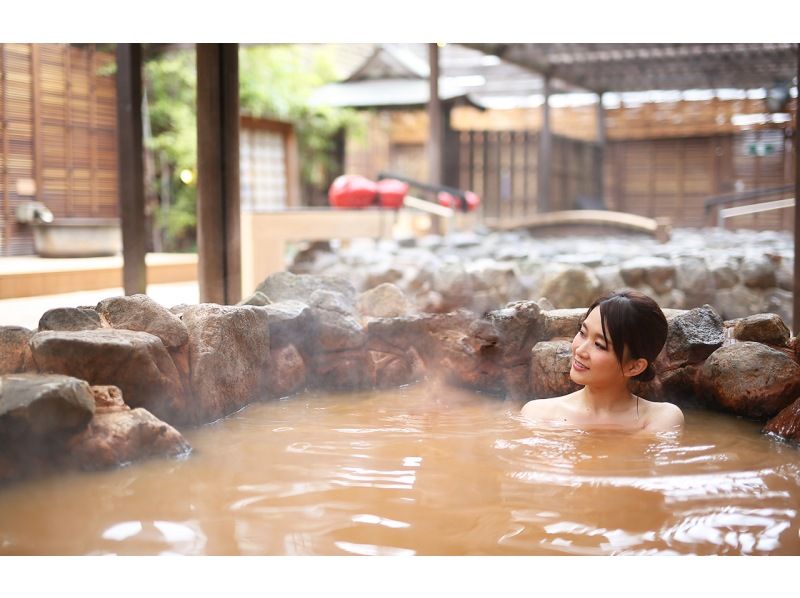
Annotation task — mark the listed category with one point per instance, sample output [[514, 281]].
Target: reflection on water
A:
[[422, 470]]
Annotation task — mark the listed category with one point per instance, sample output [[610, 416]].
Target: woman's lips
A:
[[579, 366]]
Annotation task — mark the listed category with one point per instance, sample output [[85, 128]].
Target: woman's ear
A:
[[635, 367]]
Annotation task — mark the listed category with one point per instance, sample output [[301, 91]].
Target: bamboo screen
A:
[[57, 135]]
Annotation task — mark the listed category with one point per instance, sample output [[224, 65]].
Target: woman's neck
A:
[[606, 399]]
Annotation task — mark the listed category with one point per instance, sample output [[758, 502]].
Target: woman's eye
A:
[[582, 333], [599, 346]]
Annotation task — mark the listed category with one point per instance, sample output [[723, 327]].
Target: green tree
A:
[[275, 81]]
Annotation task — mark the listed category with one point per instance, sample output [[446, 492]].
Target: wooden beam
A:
[[796, 315], [131, 167], [218, 219], [545, 149], [434, 119], [601, 141]]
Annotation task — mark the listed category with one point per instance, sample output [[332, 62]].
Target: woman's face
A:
[[594, 362]]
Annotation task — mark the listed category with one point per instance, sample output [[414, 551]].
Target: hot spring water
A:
[[425, 470]]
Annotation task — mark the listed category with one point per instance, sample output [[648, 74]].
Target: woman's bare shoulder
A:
[[663, 417], [546, 409]]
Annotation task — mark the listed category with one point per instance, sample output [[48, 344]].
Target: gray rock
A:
[[333, 301], [290, 322], [693, 335], [780, 302], [738, 302], [570, 286], [43, 404], [762, 328], [70, 318], [657, 272], [550, 366], [229, 351], [693, 278], [283, 286], [256, 298], [784, 274], [561, 322], [384, 301], [758, 271], [141, 313]]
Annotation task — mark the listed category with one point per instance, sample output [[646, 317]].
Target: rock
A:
[[562, 322], [693, 278], [518, 328], [141, 313], [343, 370], [336, 331], [725, 273], [108, 399], [393, 370], [454, 285], [550, 365], [257, 298], [465, 363], [609, 278], [118, 437], [501, 278], [287, 372], [762, 328], [15, 353], [657, 272], [229, 353], [384, 301], [738, 302], [784, 274], [333, 301], [70, 318], [378, 276], [570, 286], [693, 335], [42, 404], [786, 424], [750, 379], [780, 302], [290, 322], [136, 362], [283, 286], [398, 335], [758, 271]]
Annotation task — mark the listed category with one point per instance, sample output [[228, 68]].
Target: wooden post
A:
[[4, 131], [796, 316], [601, 141], [218, 228], [130, 165], [36, 103], [450, 155], [545, 149], [434, 119]]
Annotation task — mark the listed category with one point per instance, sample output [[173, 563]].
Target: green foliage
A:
[[275, 81]]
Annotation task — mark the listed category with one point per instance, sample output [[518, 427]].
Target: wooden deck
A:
[[29, 276]]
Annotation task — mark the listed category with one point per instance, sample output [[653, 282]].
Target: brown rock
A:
[[290, 322], [117, 437], [550, 365], [468, 361], [336, 331], [518, 329], [140, 313], [287, 372], [397, 335], [570, 286], [786, 424], [15, 353], [229, 353], [561, 322], [108, 399], [136, 362], [762, 328], [343, 370], [393, 369], [750, 379]]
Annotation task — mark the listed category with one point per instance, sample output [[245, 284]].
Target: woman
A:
[[619, 338]]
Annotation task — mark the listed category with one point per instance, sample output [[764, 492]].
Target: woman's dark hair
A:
[[632, 319]]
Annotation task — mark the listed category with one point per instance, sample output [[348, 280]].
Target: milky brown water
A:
[[422, 470]]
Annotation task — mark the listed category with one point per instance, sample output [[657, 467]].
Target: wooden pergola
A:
[[598, 68]]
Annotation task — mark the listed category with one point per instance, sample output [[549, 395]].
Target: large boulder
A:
[[762, 328], [750, 379], [550, 365], [15, 353], [40, 404], [514, 329], [561, 322], [284, 286], [136, 362], [786, 424], [141, 313], [70, 318], [229, 352]]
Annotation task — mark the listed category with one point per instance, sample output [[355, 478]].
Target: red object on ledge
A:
[[391, 193], [352, 191], [452, 201]]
